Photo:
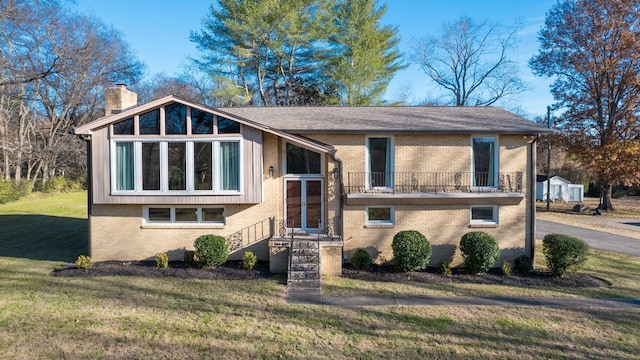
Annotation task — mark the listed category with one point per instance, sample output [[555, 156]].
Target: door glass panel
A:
[[380, 162], [294, 204], [484, 161], [314, 203]]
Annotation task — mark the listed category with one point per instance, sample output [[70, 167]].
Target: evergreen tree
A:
[[365, 53]]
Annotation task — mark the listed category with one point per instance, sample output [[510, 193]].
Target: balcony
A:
[[448, 187]]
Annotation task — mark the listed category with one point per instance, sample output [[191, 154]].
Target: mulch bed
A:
[[232, 270], [536, 278]]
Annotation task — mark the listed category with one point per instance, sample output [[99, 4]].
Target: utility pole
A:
[[548, 158]]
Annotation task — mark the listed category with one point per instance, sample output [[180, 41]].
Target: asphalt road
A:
[[596, 239]]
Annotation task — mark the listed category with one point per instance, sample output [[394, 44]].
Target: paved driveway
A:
[[596, 239]]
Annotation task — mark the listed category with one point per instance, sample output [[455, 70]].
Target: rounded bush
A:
[[479, 251], [162, 261], [411, 251], [211, 250], [361, 260], [83, 262], [564, 252], [522, 264], [444, 268], [249, 260]]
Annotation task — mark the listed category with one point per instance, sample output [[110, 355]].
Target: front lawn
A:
[[132, 317]]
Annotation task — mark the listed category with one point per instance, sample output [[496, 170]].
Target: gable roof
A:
[[395, 119], [89, 128]]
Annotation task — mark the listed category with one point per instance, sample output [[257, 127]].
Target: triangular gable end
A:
[[89, 128]]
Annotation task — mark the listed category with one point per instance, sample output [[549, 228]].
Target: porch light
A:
[[335, 173], [271, 171]]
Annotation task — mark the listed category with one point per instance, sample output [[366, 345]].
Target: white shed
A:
[[561, 189]]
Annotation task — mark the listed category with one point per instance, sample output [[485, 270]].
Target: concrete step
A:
[[304, 259], [304, 267], [303, 275], [304, 244], [305, 251]]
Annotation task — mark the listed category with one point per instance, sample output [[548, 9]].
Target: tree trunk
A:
[[605, 197]]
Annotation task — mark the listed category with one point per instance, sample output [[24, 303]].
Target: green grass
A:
[[45, 317], [45, 227]]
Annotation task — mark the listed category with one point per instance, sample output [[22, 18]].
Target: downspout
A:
[[341, 201], [532, 192]]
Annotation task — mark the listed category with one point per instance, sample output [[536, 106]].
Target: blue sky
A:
[[158, 31]]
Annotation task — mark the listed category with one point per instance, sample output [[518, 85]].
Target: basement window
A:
[[484, 215], [184, 215]]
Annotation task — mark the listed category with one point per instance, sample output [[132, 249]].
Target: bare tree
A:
[[469, 59]]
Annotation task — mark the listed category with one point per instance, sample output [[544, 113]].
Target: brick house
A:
[[163, 173]]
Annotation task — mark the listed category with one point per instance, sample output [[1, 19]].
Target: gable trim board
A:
[[421, 145]]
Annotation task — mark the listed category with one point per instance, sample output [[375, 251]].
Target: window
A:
[[211, 165], [149, 123], [380, 215], [487, 215], [159, 163], [124, 166], [226, 126], [380, 162], [184, 215], [484, 164], [175, 119], [124, 127], [201, 122], [302, 161]]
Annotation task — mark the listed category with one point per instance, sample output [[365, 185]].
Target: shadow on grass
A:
[[42, 237]]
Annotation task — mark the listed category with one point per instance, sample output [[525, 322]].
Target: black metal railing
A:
[[329, 229], [433, 182], [251, 234]]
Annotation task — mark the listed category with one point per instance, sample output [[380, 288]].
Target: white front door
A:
[[304, 203]]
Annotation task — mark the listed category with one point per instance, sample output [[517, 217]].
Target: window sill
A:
[[480, 226], [378, 226], [182, 226]]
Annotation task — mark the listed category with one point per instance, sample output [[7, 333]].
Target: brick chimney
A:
[[118, 98]]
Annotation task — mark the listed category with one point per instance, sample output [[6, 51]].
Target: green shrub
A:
[[162, 261], [55, 184], [83, 262], [249, 260], [211, 250], [12, 191], [479, 250], [411, 251], [506, 269], [522, 264], [361, 260], [564, 252], [444, 268], [190, 258]]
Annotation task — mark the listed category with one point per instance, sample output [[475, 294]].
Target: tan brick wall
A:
[[443, 225], [118, 233], [331, 260]]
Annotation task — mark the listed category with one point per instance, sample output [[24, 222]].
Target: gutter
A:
[[87, 139], [341, 201]]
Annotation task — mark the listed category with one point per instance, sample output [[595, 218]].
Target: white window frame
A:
[[172, 216], [493, 221], [283, 170], [496, 157], [367, 161], [391, 221], [164, 180]]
